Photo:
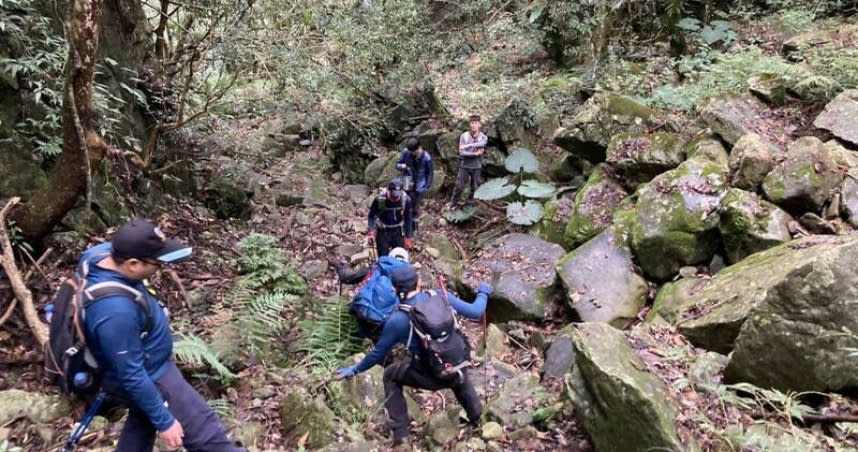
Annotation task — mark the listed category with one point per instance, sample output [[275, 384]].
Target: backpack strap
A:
[[107, 289]]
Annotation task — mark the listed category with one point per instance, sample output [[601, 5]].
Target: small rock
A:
[[433, 252], [496, 342], [312, 269], [750, 161], [363, 256], [560, 355], [492, 430], [475, 444], [264, 392], [817, 225], [305, 142], [688, 272], [769, 88], [523, 433]]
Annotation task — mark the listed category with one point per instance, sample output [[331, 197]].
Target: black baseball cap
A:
[[141, 239], [394, 189], [404, 278]]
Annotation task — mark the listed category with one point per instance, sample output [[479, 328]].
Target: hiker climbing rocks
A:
[[472, 147], [425, 323], [348, 275], [391, 219], [416, 164], [129, 336]]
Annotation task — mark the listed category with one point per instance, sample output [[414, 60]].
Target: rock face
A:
[[783, 313], [227, 199], [39, 408], [623, 408], [676, 218], [523, 390], [734, 117], [555, 217], [750, 160], [639, 157], [588, 134], [673, 296], [594, 207], [839, 117], [805, 179], [708, 148], [560, 355], [302, 414], [601, 283], [750, 225], [526, 280]]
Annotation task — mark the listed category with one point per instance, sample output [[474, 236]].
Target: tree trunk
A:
[[83, 147]]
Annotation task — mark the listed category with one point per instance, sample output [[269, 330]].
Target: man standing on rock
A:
[[391, 219], [472, 147], [416, 372], [135, 348], [417, 164]]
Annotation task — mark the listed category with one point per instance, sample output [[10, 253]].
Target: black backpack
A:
[[66, 353], [435, 324]]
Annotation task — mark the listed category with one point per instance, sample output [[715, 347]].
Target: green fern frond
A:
[[195, 352], [222, 407], [329, 338]]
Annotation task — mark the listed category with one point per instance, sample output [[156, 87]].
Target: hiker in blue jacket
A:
[[414, 373], [417, 164], [138, 367]]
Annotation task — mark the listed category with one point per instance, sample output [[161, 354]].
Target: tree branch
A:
[[19, 288]]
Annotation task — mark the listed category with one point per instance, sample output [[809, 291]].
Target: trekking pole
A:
[[88, 416]]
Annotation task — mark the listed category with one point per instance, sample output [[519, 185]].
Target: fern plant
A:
[[260, 319], [193, 351], [328, 339]]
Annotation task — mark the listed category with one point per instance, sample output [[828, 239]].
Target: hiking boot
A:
[[401, 444]]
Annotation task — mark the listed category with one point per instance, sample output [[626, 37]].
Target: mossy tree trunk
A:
[[83, 147]]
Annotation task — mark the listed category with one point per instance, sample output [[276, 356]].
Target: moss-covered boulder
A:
[[517, 401], [600, 281], [803, 45], [555, 216], [640, 157], [622, 407], [228, 199], [37, 407], [589, 132], [594, 207], [21, 173], [673, 296], [676, 218], [804, 181], [750, 160], [733, 117], [450, 260], [783, 313], [750, 225], [526, 283], [708, 147], [381, 170], [839, 117], [570, 169], [302, 414]]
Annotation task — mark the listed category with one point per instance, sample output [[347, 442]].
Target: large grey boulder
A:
[[623, 407], [594, 206], [708, 147], [804, 181], [526, 282], [589, 132], [39, 408], [640, 157], [839, 117], [849, 197], [673, 296], [676, 218], [517, 401], [750, 160], [733, 117], [600, 281], [783, 313], [750, 225]]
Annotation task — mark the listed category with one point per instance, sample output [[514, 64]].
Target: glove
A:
[[401, 166], [485, 288], [409, 242], [371, 235], [346, 372]]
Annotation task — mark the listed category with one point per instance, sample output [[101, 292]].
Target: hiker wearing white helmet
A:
[[354, 276]]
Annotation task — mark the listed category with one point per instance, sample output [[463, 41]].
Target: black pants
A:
[[416, 203], [408, 374], [467, 176], [388, 239], [203, 430]]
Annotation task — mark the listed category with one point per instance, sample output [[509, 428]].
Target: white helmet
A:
[[399, 253]]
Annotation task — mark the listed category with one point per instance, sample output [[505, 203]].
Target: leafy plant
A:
[[195, 352], [493, 189], [537, 190], [328, 339], [462, 215], [521, 161], [525, 214]]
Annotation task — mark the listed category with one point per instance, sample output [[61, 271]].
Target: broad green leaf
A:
[[521, 160], [525, 214], [535, 189], [463, 215], [111, 61], [494, 189]]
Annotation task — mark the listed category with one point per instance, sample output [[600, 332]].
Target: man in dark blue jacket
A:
[[417, 164], [391, 219], [414, 373], [138, 367]]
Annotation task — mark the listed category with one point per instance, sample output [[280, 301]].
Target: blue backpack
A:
[[376, 298]]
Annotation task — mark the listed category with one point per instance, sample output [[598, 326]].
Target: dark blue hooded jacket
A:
[[421, 170], [113, 328]]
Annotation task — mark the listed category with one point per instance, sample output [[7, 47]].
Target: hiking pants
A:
[[203, 430], [388, 239], [416, 202], [467, 176], [408, 374]]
